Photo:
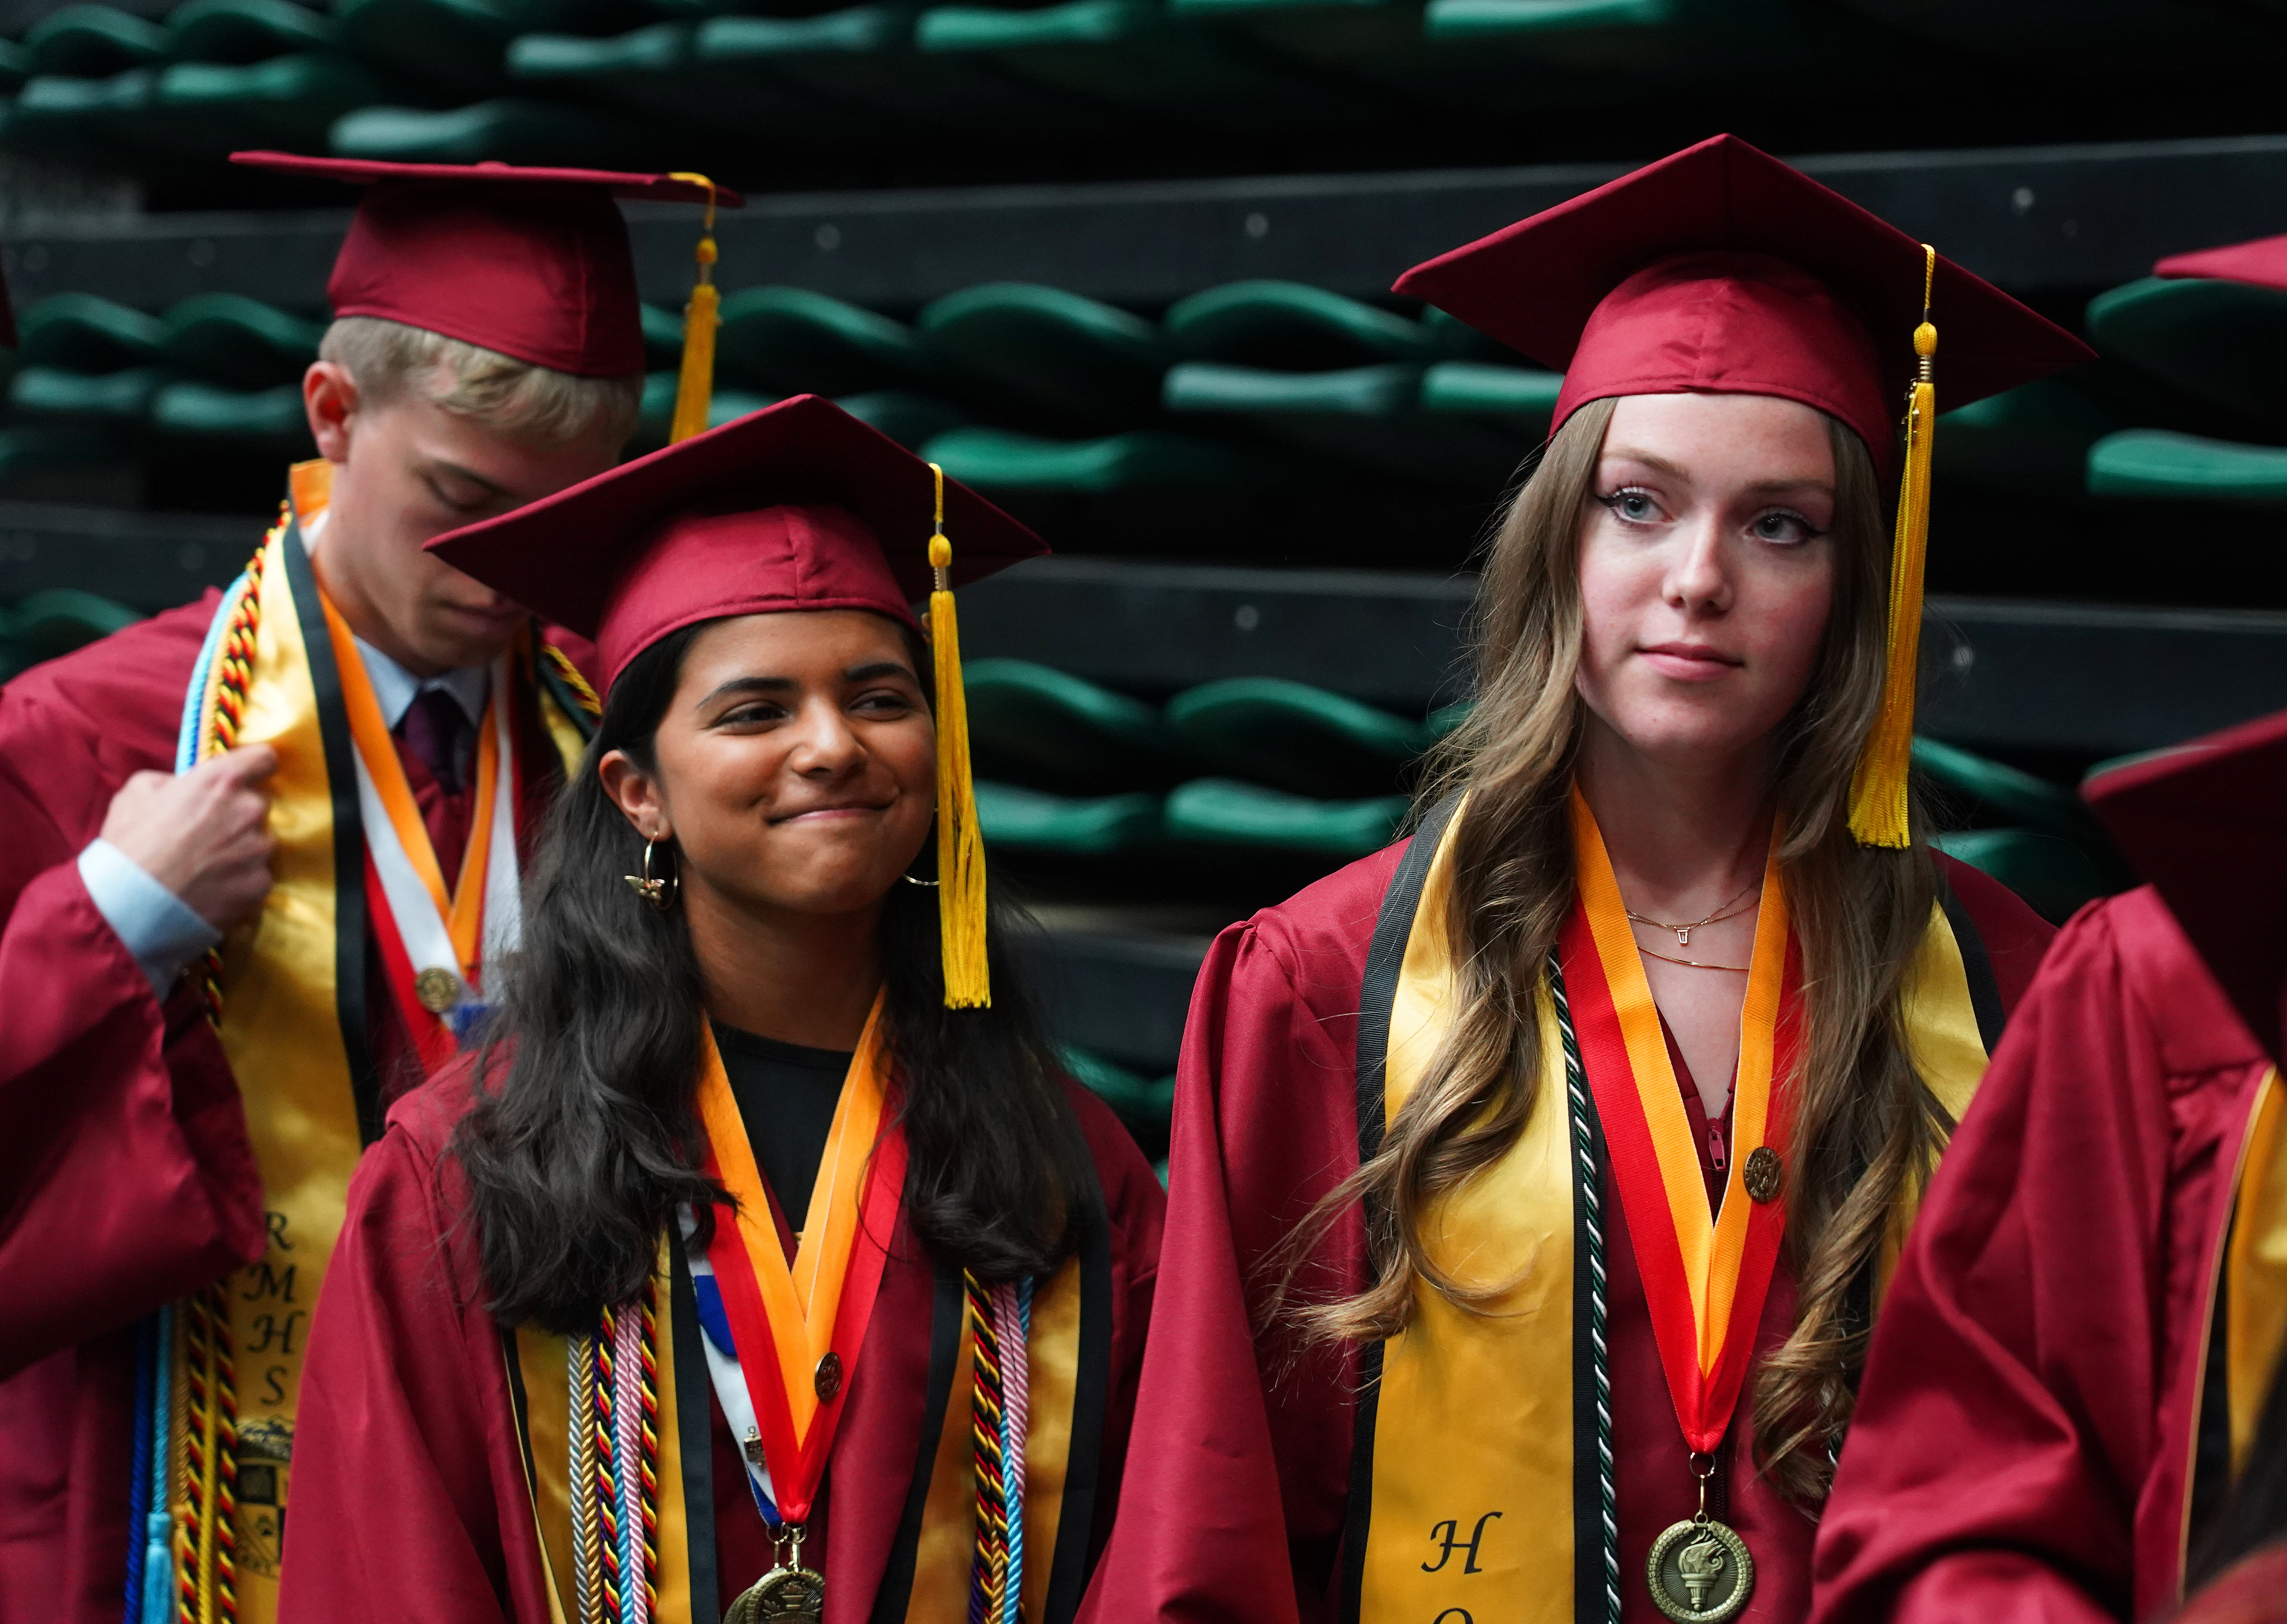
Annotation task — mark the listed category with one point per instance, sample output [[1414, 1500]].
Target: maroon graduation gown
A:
[[2025, 1433], [410, 1498], [127, 1179], [1239, 1485]]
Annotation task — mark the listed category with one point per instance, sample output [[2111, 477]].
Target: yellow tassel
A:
[[694, 389], [960, 843], [1878, 790]]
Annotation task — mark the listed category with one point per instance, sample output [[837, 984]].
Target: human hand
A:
[[204, 835]]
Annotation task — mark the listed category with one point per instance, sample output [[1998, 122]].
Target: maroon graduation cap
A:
[[1721, 269], [797, 506], [2206, 824], [2262, 262], [532, 262]]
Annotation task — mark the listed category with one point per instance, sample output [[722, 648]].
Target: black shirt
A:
[[787, 1095]]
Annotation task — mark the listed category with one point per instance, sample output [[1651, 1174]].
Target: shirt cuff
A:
[[158, 928]]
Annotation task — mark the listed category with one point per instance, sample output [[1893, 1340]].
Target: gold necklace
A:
[[1723, 911], [1738, 969]]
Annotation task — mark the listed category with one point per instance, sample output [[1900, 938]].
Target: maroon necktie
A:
[[436, 738]]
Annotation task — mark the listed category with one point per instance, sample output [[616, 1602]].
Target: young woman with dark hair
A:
[[1534, 1180], [761, 1263]]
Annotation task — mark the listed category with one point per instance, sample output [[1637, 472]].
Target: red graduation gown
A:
[[2024, 1434], [127, 1179], [410, 1497], [1238, 1488]]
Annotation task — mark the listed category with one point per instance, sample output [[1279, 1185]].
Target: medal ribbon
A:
[[405, 885], [1705, 1279], [785, 1322]]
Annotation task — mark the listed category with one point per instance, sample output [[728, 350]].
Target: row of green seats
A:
[[1048, 729], [1216, 811], [49, 623], [2219, 347], [221, 337], [153, 400]]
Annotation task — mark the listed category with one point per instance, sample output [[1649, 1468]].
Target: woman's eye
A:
[[1785, 526], [756, 715], [1634, 507], [882, 704]]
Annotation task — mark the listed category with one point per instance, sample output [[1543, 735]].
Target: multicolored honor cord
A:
[[1705, 1279]]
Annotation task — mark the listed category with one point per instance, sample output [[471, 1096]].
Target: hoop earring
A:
[[911, 880], [660, 893]]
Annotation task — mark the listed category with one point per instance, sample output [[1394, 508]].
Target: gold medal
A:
[[439, 990], [789, 1593], [1699, 1571]]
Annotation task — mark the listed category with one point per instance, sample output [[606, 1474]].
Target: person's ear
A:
[[636, 793], [329, 397]]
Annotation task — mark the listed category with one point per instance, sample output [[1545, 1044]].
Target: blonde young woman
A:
[[1534, 1181]]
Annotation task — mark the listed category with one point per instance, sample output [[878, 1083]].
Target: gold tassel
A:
[[1878, 790], [960, 843], [695, 390]]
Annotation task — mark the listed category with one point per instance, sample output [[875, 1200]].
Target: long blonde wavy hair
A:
[[1864, 1122]]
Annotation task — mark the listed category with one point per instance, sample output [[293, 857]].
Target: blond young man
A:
[[253, 855]]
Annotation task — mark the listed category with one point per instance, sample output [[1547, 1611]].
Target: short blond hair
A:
[[385, 359]]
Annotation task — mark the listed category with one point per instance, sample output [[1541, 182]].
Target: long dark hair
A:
[[2254, 1513], [584, 1140]]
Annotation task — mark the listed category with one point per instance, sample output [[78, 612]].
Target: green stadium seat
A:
[[1136, 55], [1292, 327], [657, 71], [1054, 351], [58, 621], [863, 56], [2003, 794], [95, 42], [2224, 342], [75, 120], [455, 45], [1295, 737], [1622, 36], [1369, 417], [796, 341], [1054, 825], [1141, 1102], [2036, 436], [508, 131], [15, 67], [2053, 875], [2159, 463], [1145, 459], [1520, 397], [78, 332], [34, 454], [242, 343], [1035, 726], [1224, 812], [288, 101], [911, 420], [244, 31], [118, 399], [265, 417]]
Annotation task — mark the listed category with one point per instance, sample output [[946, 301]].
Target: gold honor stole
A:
[[816, 1311], [1493, 1502], [293, 1025], [2244, 1318]]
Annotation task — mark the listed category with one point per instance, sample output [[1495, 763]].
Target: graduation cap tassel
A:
[[960, 843], [1878, 790], [695, 390]]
